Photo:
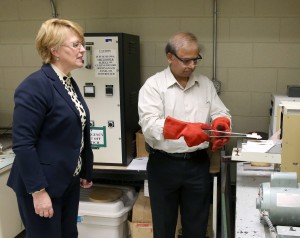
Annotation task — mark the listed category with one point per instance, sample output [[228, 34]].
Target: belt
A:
[[186, 155]]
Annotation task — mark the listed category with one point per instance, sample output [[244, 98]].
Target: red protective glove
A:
[[192, 132], [220, 124]]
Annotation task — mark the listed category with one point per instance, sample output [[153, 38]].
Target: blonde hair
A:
[[52, 34]]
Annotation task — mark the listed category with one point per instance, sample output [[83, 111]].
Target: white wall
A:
[[258, 49]]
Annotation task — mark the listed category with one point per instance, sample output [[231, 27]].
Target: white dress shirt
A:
[[163, 96]]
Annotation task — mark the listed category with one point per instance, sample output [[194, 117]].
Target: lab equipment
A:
[[279, 204], [276, 99], [293, 90], [110, 81], [289, 117]]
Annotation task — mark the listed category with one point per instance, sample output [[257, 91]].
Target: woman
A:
[[51, 136]]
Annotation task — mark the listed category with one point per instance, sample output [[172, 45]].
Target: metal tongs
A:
[[235, 134]]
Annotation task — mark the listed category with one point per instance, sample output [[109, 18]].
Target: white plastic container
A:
[[105, 219]]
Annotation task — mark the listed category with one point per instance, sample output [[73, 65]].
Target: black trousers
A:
[[179, 183], [63, 224]]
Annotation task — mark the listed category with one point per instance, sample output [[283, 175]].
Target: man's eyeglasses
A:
[[75, 45], [187, 61]]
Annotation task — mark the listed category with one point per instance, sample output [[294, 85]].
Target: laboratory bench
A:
[[10, 221], [239, 188], [133, 174], [240, 218], [136, 170], [247, 217]]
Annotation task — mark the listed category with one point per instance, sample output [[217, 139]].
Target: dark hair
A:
[[179, 40]]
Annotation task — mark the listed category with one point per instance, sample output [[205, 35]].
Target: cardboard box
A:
[[140, 145], [140, 230], [141, 212], [140, 225]]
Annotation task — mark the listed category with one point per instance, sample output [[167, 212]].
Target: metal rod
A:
[[229, 132], [234, 134], [214, 38], [230, 136]]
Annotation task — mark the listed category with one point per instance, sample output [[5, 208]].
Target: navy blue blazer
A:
[[47, 136]]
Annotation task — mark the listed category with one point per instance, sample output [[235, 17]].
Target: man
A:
[[175, 107]]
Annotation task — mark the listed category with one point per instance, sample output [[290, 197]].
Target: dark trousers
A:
[[178, 182], [63, 224]]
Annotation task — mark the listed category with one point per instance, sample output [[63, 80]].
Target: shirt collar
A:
[[60, 74], [171, 80]]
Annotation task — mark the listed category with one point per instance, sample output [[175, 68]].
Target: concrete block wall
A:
[[258, 45]]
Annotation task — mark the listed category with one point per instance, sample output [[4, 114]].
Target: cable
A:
[[54, 12], [265, 215]]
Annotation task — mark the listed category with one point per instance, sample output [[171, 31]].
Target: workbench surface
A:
[[247, 221]]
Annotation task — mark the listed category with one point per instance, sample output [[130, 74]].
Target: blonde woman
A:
[[51, 136]]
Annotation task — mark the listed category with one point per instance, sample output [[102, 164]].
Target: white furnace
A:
[[109, 82]]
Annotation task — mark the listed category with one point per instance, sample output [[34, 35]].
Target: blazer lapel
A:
[[57, 84]]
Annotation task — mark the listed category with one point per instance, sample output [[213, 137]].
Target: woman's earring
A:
[[57, 58]]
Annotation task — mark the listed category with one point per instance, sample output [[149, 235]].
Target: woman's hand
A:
[[85, 184], [42, 204]]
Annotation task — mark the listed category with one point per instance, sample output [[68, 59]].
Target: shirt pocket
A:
[[202, 113]]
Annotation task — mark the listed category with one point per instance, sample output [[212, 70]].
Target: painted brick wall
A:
[[258, 46]]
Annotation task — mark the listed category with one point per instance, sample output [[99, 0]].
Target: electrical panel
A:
[[110, 82]]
